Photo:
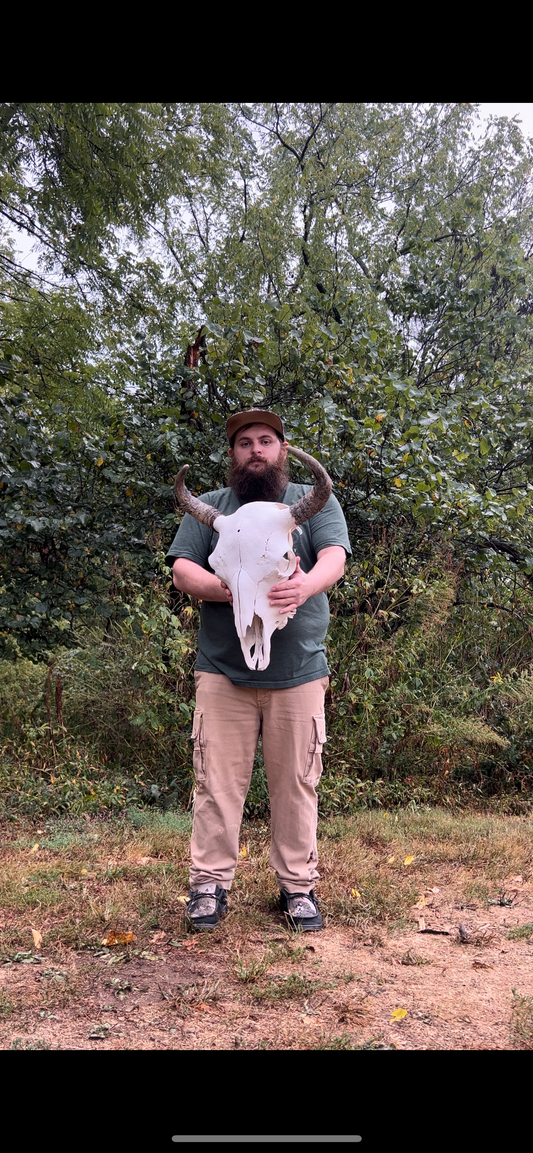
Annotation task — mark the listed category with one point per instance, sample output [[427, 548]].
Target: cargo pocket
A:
[[198, 756], [313, 768]]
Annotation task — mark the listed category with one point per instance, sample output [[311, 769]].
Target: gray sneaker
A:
[[301, 910], [207, 905]]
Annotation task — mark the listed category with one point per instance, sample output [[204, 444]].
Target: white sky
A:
[[524, 112]]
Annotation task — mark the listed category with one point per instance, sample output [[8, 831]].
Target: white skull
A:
[[253, 553]]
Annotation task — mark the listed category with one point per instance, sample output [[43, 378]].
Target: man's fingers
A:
[[228, 592]]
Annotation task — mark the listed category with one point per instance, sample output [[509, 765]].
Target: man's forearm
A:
[[191, 578], [325, 573]]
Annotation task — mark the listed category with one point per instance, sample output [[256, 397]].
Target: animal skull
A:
[[253, 552]]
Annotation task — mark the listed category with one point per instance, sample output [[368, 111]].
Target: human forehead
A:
[[259, 430]]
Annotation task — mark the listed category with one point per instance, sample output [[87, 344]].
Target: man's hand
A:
[[291, 594], [228, 592]]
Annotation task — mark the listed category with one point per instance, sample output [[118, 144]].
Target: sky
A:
[[524, 111]]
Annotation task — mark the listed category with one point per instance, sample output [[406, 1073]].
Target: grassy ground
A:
[[95, 950]]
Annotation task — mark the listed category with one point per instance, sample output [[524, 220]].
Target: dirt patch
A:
[[427, 939], [444, 982]]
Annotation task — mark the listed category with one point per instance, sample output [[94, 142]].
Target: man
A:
[[284, 702]]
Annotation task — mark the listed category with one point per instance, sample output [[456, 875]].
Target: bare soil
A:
[[451, 970]]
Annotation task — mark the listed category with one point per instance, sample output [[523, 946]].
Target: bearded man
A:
[[284, 703]]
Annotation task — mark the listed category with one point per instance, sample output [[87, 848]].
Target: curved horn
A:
[[308, 505], [205, 513]]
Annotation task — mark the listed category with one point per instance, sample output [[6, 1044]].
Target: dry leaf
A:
[[409, 860], [112, 939], [398, 1015], [34, 849], [421, 924], [390, 861], [355, 893], [37, 938], [243, 852], [157, 937], [144, 860], [481, 965], [182, 900]]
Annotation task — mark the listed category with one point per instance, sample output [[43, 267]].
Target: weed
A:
[[521, 932], [522, 1020], [6, 1004], [477, 890], [18, 1043], [345, 1042], [286, 987], [410, 958], [251, 969], [156, 821], [292, 953], [183, 998], [342, 1042]]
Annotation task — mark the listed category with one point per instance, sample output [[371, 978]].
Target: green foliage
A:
[[364, 270], [105, 725], [430, 693]]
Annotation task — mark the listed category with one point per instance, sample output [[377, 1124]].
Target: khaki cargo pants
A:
[[227, 724]]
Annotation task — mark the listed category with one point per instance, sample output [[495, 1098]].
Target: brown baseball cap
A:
[[253, 416]]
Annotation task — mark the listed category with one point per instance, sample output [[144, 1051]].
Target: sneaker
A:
[[206, 906], [301, 910]]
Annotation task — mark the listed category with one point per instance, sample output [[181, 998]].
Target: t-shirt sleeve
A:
[[191, 542], [329, 528]]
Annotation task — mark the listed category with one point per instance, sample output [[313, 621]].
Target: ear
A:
[[230, 452]]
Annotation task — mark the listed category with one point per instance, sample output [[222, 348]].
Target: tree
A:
[[365, 269]]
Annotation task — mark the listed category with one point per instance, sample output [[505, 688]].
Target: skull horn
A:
[[315, 500], [205, 513]]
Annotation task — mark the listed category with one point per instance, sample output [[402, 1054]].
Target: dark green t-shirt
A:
[[298, 653]]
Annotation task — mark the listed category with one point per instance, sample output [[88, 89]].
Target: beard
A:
[[266, 484]]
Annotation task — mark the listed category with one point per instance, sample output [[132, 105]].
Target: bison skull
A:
[[254, 552]]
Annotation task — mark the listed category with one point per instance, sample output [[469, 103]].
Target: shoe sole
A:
[[301, 926], [197, 923]]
